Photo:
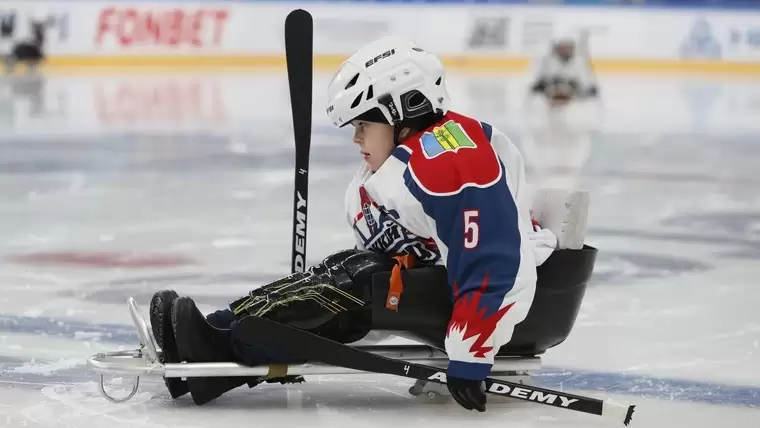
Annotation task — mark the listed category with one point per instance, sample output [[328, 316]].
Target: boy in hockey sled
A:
[[565, 72], [438, 194]]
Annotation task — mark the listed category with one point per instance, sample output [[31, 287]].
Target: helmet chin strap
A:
[[387, 102], [397, 133]]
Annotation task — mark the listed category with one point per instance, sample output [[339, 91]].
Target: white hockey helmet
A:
[[565, 37], [392, 75]]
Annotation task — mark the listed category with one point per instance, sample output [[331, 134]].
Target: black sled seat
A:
[[424, 310], [560, 288]]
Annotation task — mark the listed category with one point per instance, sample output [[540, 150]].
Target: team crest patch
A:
[[448, 137]]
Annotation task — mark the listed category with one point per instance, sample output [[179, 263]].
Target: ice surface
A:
[[115, 185]]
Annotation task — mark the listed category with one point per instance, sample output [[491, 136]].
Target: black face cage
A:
[[417, 110]]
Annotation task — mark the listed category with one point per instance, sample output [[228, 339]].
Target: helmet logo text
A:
[[374, 60]]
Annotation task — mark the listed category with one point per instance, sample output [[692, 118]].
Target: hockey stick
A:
[[317, 348], [299, 46]]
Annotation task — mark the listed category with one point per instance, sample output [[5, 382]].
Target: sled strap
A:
[[396, 286], [277, 371]]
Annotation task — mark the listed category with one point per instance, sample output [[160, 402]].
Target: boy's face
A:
[[565, 49], [375, 142]]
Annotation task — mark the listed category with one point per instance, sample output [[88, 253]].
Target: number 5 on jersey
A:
[[471, 229]]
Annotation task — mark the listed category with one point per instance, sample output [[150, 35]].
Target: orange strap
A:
[[396, 286]]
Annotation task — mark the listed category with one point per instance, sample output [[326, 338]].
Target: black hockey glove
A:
[[470, 394], [539, 87], [330, 299]]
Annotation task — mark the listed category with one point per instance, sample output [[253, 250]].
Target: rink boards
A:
[[467, 36]]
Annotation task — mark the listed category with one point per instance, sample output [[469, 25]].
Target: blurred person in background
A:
[[22, 38], [556, 142], [564, 73]]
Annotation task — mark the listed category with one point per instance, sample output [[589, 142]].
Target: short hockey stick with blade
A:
[[316, 348], [299, 47]]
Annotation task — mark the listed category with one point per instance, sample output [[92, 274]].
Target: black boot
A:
[[200, 342], [161, 324]]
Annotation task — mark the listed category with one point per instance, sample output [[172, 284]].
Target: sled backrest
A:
[[564, 212]]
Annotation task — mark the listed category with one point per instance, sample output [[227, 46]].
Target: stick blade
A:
[[299, 55], [629, 415], [614, 411], [298, 18], [299, 43]]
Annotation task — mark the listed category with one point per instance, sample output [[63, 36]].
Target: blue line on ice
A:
[[549, 377]]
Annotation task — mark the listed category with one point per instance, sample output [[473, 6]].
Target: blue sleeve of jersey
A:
[[479, 225]]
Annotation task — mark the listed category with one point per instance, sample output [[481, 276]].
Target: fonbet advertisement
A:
[[144, 26]]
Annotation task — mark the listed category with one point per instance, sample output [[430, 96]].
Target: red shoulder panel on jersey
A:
[[454, 154]]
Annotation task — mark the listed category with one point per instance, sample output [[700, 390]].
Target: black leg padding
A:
[[424, 308]]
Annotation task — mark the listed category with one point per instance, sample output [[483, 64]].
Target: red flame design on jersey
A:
[[471, 319]]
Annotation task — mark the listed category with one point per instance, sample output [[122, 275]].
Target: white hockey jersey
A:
[[577, 71], [455, 194]]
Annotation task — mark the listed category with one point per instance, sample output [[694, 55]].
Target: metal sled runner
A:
[[145, 361]]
